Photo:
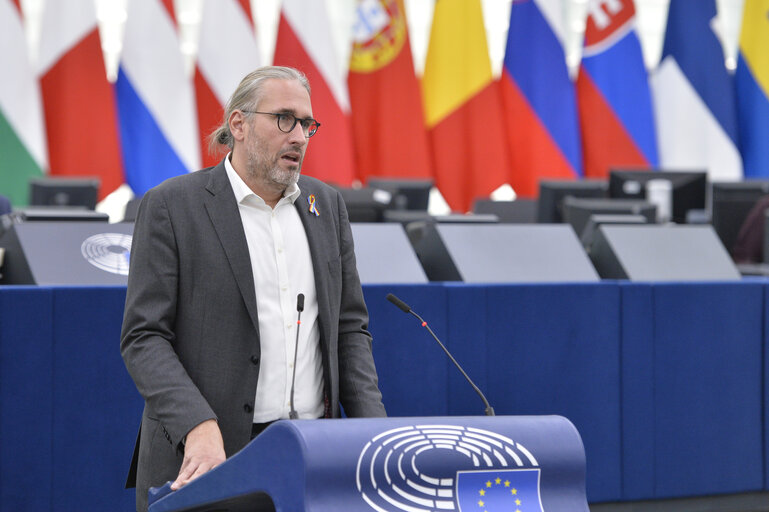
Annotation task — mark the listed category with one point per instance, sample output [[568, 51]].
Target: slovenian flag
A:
[[304, 42], [613, 92], [753, 88], [224, 24], [463, 106], [22, 135], [79, 101], [388, 129], [694, 98], [156, 105], [539, 97]]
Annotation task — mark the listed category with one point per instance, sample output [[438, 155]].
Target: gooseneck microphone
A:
[[406, 309], [299, 308]]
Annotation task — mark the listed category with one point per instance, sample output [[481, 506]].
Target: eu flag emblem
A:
[[491, 491]]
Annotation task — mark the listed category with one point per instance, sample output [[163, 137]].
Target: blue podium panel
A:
[[411, 366], [545, 349], [96, 408], [383, 464], [26, 382], [706, 387]]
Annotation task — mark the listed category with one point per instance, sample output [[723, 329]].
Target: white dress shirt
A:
[[282, 268]]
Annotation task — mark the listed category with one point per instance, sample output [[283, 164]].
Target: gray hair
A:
[[247, 96]]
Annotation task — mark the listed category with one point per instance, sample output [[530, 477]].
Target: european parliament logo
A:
[[110, 252], [432, 468]]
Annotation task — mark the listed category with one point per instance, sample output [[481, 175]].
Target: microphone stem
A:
[[489, 409], [292, 414]]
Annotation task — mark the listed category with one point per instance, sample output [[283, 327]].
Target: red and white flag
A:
[[79, 102], [304, 42], [224, 24]]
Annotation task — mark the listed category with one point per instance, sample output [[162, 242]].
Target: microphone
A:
[[407, 309], [292, 414]]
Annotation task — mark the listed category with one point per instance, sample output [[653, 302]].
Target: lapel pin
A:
[[313, 208]]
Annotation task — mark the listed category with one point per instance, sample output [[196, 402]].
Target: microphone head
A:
[[401, 305], [300, 302]]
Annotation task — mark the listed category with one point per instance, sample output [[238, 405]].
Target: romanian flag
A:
[[304, 42], [156, 102], [540, 103], [753, 88], [463, 106], [694, 100], [388, 128], [22, 136], [224, 24], [613, 92], [79, 101]]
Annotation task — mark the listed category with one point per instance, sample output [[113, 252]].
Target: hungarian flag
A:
[[694, 101], [156, 102], [304, 42], [463, 106], [22, 136], [613, 92], [79, 102], [388, 128], [539, 97], [753, 88], [224, 24]]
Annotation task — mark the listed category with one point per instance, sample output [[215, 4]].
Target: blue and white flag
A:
[[694, 95], [156, 103]]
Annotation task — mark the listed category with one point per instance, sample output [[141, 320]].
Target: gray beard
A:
[[257, 163]]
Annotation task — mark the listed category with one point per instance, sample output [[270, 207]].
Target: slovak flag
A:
[[156, 104], [694, 97], [613, 92], [304, 42], [223, 24], [539, 97]]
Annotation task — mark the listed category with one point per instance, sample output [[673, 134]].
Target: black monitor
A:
[[578, 212], [688, 188], [553, 192], [410, 194], [64, 192], [519, 211], [366, 204], [730, 204]]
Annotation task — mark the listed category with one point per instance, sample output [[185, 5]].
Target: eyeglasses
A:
[[287, 122]]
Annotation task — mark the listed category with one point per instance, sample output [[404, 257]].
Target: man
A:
[[218, 259]]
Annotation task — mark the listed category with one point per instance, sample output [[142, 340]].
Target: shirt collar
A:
[[242, 191]]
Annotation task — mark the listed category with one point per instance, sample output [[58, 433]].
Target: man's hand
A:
[[203, 451]]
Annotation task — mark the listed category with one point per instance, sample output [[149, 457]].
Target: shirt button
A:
[[280, 250], [248, 408], [254, 359], [290, 365]]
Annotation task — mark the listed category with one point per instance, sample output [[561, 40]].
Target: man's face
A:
[[273, 155]]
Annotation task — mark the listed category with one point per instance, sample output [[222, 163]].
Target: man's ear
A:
[[237, 122]]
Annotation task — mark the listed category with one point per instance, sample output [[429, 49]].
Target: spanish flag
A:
[[463, 107], [388, 128]]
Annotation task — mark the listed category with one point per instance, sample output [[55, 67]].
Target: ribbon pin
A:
[[313, 208]]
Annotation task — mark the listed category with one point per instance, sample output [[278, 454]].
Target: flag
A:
[[156, 105], [304, 42], [613, 92], [22, 135], [388, 128], [499, 490], [463, 106], [224, 24], [78, 100], [752, 79], [539, 97], [694, 100]]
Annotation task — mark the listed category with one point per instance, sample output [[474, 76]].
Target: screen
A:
[[688, 188], [552, 194], [63, 192], [409, 194], [730, 204]]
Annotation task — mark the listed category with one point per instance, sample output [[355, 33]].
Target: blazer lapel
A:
[[223, 211]]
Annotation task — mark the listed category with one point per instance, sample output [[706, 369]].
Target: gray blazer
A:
[[190, 337]]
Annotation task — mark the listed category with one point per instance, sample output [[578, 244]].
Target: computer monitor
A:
[[730, 203], [688, 188], [519, 211], [578, 211], [410, 194], [366, 204], [553, 192], [64, 192]]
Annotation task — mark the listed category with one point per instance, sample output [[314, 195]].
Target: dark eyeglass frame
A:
[[305, 123]]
